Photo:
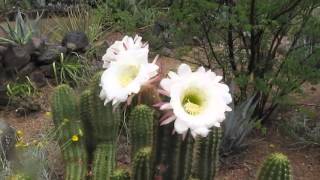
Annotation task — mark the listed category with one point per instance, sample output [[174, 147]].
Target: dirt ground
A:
[[305, 162]]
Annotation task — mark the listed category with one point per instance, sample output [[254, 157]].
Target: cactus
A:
[[142, 164], [105, 119], [276, 166], [206, 155], [120, 174], [104, 161], [177, 158], [181, 158], [85, 116], [66, 118], [141, 127]]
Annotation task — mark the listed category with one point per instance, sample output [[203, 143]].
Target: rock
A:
[[7, 140], [16, 57], [25, 105], [2, 72], [166, 52], [3, 49], [47, 70], [37, 43], [38, 78], [75, 41], [26, 70], [4, 99], [51, 54]]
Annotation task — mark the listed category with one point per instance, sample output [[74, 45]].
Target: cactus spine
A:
[[120, 174], [207, 155], [141, 128], [142, 164], [66, 118], [277, 166]]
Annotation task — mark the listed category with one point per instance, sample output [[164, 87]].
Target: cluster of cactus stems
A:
[[156, 153], [66, 117]]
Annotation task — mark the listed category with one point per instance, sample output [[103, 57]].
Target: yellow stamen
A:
[[192, 108], [127, 75]]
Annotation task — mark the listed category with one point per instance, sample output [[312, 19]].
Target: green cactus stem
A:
[[105, 119], [142, 164], [104, 161], [276, 166], [141, 124], [120, 174], [207, 155], [66, 118], [86, 118], [182, 157]]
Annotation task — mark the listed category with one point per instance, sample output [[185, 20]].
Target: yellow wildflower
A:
[[48, 114], [19, 133], [75, 138]]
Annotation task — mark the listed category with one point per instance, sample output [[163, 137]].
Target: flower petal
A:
[[184, 69], [180, 126]]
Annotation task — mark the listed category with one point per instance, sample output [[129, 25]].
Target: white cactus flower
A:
[[126, 73], [198, 100], [127, 44]]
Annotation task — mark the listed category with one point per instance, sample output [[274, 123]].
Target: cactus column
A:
[[207, 155], [277, 166], [104, 121], [141, 128], [142, 164], [66, 118]]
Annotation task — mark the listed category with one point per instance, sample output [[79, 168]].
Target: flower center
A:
[[193, 101], [128, 74]]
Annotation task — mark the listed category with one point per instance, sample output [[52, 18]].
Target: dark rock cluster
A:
[[35, 59]]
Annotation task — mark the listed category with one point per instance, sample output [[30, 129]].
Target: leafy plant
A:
[[23, 30], [71, 70], [302, 127], [128, 16], [21, 89], [237, 126], [269, 47]]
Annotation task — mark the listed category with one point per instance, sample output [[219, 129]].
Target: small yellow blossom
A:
[[48, 114], [19, 133], [75, 138]]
